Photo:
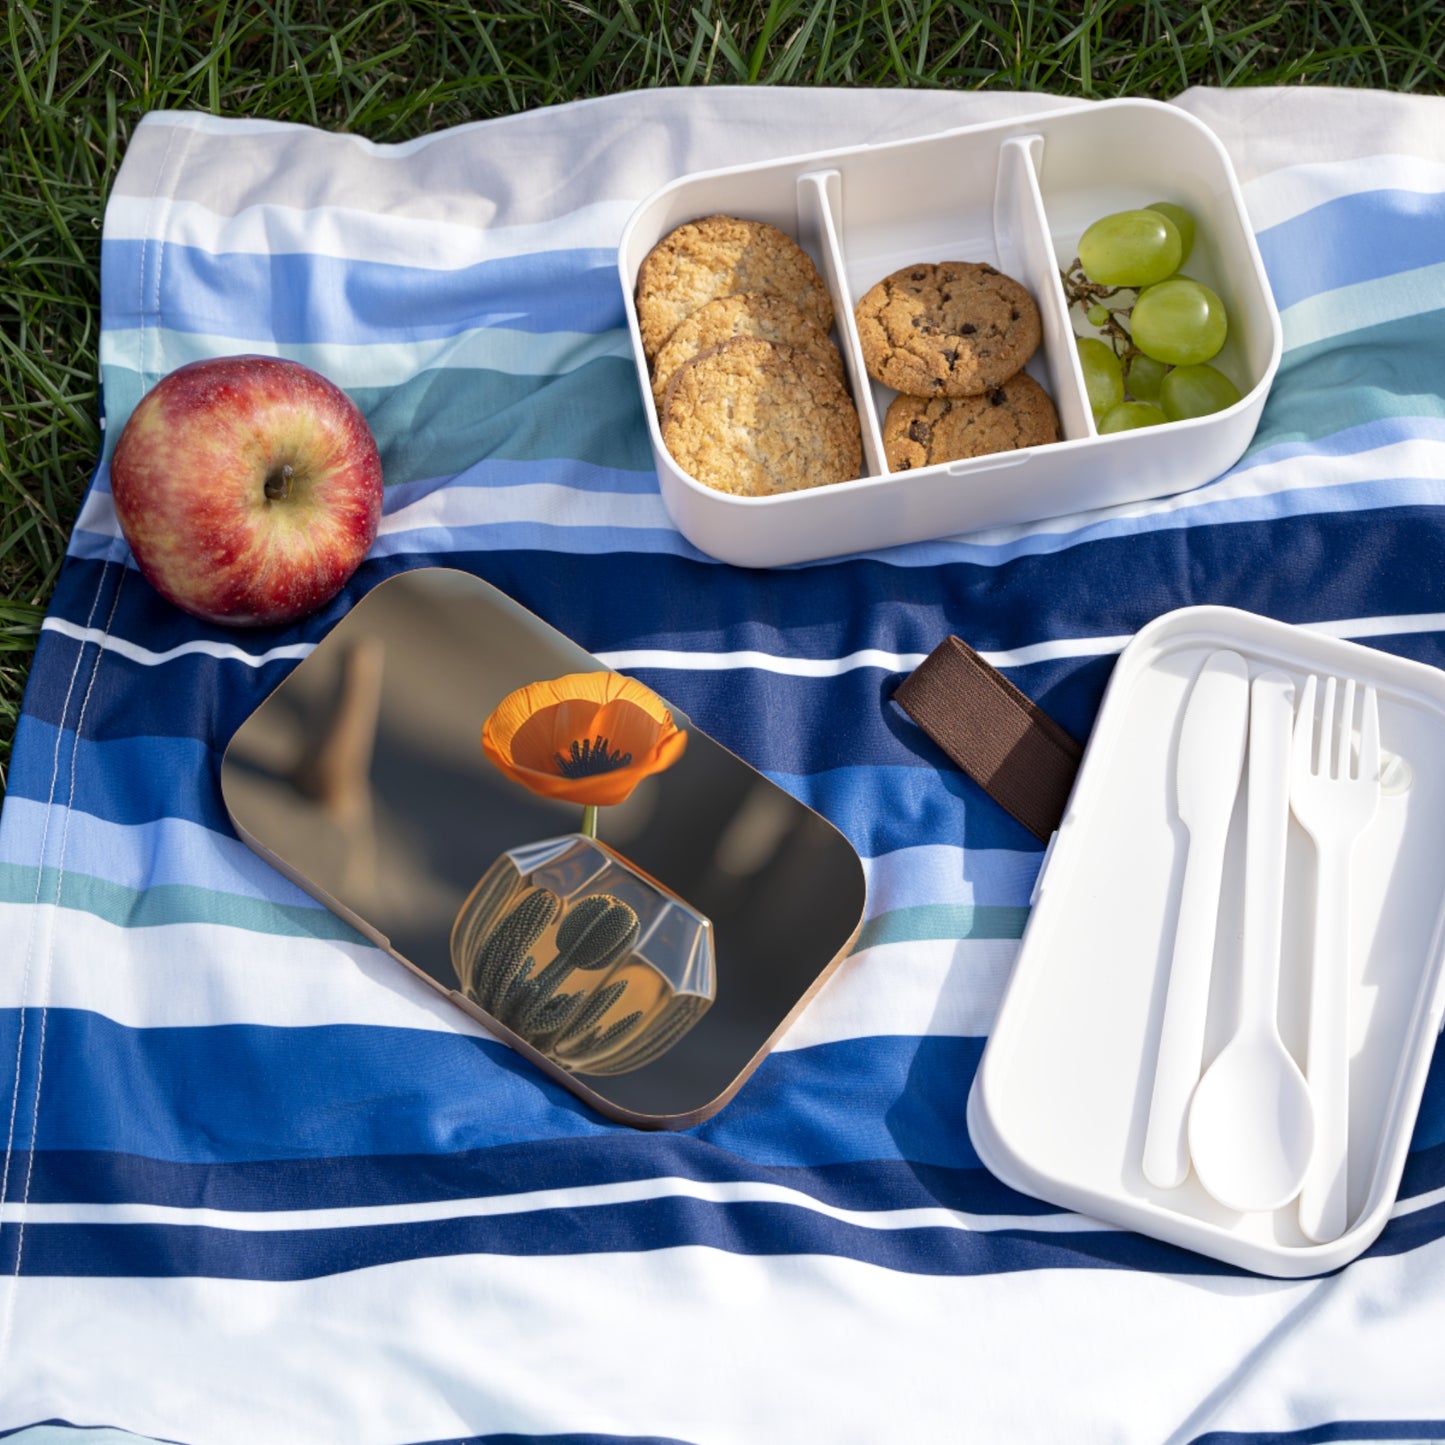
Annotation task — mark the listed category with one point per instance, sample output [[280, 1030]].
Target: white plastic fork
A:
[[1334, 796]]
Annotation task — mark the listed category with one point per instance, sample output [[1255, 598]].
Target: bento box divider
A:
[[820, 223], [1025, 250]]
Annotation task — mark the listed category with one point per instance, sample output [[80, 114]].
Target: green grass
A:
[[76, 77]]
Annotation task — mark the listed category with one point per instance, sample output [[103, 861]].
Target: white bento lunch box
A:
[[1016, 195], [1060, 1105]]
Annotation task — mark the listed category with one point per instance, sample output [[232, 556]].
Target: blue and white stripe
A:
[[258, 1183]]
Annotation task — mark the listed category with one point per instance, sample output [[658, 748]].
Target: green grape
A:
[[1144, 376], [1179, 322], [1196, 391], [1130, 248], [1103, 376], [1183, 223], [1098, 315], [1131, 414]]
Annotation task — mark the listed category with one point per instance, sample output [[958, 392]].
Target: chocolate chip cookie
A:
[[749, 313], [918, 432], [753, 418], [717, 256], [955, 328]]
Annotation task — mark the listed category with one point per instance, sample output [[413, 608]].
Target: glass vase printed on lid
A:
[[596, 965]]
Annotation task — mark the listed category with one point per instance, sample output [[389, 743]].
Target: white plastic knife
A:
[[1210, 760]]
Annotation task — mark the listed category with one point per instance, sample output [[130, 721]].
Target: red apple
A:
[[248, 488]]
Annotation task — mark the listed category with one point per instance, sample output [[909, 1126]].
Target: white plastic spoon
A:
[[1251, 1122]]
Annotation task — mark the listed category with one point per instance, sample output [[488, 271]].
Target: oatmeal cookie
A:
[[717, 256], [753, 418], [749, 313], [956, 328], [918, 432]]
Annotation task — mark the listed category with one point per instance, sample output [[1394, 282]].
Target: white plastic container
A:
[[1016, 195], [1060, 1104]]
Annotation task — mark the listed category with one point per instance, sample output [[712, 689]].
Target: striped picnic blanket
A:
[[260, 1185]]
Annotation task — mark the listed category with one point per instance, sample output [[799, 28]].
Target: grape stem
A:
[[1085, 294]]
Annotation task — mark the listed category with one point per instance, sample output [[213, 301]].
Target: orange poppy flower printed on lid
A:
[[588, 738]]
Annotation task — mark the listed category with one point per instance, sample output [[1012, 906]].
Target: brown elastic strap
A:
[[1009, 746]]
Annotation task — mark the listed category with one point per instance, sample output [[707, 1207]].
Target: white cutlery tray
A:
[[1060, 1104], [1016, 195]]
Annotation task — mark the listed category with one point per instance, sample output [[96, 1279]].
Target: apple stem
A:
[[278, 484]]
